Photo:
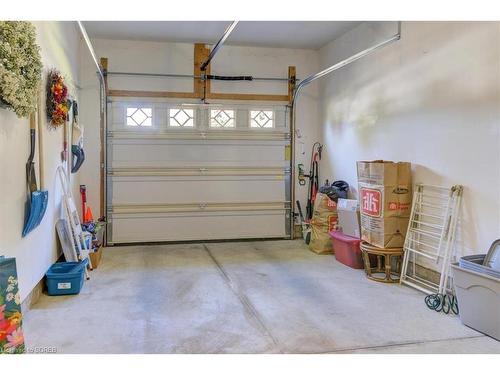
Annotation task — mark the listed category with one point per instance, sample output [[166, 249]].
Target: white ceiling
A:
[[284, 34]]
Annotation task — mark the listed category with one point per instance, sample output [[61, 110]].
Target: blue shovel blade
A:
[[35, 210], [45, 199]]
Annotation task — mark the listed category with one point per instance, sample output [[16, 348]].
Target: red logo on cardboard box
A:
[[394, 206], [371, 202], [331, 204], [332, 222]]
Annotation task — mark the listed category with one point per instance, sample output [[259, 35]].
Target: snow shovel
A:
[[36, 203], [40, 158]]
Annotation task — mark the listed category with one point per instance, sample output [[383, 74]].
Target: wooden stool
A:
[[384, 266]]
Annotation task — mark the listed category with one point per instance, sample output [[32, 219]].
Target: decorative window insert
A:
[[181, 117], [222, 118], [262, 119], [139, 116]]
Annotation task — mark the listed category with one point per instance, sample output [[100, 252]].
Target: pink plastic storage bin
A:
[[347, 249]]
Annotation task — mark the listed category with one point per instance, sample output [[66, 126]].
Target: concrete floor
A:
[[248, 297]]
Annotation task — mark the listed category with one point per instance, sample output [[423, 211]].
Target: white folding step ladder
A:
[[431, 236], [79, 238]]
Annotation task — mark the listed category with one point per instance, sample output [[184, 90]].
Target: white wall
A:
[[59, 42], [155, 57], [432, 99]]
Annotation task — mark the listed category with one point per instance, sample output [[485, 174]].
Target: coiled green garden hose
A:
[[442, 302]]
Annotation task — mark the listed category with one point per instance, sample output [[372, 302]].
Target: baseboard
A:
[[32, 297]]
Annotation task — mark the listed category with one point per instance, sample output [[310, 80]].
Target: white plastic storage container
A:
[[475, 263], [478, 296]]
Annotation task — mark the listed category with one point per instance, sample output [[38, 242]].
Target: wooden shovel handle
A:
[[40, 142], [32, 121]]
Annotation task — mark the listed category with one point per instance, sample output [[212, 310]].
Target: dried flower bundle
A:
[[20, 67], [57, 99]]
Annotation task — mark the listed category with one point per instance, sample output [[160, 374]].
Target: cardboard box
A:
[[385, 201], [349, 220]]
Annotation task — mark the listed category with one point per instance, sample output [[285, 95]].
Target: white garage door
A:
[[178, 172]]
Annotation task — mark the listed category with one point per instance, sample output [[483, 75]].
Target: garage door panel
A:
[[203, 164], [171, 182], [180, 227], [118, 112], [197, 189], [164, 154]]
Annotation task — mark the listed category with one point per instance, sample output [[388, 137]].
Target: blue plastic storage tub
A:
[[65, 277]]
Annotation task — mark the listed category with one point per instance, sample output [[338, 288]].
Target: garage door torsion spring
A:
[[229, 78]]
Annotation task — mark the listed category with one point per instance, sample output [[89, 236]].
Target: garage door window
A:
[[261, 119], [181, 117], [222, 118], [139, 116]]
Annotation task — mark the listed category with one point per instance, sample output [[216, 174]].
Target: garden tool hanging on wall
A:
[[36, 203], [78, 155], [83, 197], [64, 152], [313, 177], [87, 216]]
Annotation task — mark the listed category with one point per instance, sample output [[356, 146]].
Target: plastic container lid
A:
[[65, 269], [343, 237], [475, 263]]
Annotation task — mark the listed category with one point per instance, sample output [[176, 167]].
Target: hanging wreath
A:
[[57, 99], [20, 67]]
